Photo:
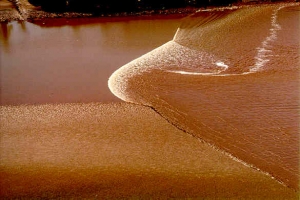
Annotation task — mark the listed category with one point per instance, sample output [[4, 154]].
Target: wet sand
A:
[[116, 150]]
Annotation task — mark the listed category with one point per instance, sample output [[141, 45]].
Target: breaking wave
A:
[[220, 80]]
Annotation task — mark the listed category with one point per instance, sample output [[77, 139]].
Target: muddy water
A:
[[231, 79], [62, 61]]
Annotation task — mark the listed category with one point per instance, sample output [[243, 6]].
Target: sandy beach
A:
[[113, 151]]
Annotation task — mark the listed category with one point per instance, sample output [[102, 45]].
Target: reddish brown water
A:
[[232, 83], [230, 78], [59, 60]]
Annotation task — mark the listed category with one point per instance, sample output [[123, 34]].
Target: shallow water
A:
[[70, 60], [229, 78]]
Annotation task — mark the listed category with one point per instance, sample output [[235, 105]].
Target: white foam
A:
[[175, 58], [189, 73], [222, 64], [171, 57], [221, 68], [264, 51], [262, 57]]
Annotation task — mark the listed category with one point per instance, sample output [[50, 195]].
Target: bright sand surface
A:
[[116, 150]]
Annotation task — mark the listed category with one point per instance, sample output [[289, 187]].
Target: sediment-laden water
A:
[[70, 60], [230, 78]]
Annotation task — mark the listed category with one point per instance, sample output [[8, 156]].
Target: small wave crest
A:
[[170, 57], [262, 57], [242, 57], [175, 57], [264, 52], [237, 115], [220, 67]]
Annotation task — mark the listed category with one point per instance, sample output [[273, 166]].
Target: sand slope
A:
[[116, 151]]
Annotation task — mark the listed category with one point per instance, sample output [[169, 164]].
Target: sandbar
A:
[[116, 150]]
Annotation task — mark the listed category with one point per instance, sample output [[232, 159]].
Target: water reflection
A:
[[59, 60], [5, 32]]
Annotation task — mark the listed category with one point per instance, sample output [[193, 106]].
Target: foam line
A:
[[261, 58], [171, 57]]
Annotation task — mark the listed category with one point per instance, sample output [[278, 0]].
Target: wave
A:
[[263, 52], [239, 101], [193, 52]]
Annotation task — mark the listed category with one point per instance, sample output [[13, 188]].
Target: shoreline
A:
[[102, 149], [24, 11]]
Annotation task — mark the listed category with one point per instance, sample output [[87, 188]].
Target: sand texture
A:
[[116, 151]]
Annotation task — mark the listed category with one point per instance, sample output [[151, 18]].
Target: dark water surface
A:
[[229, 78], [62, 61]]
